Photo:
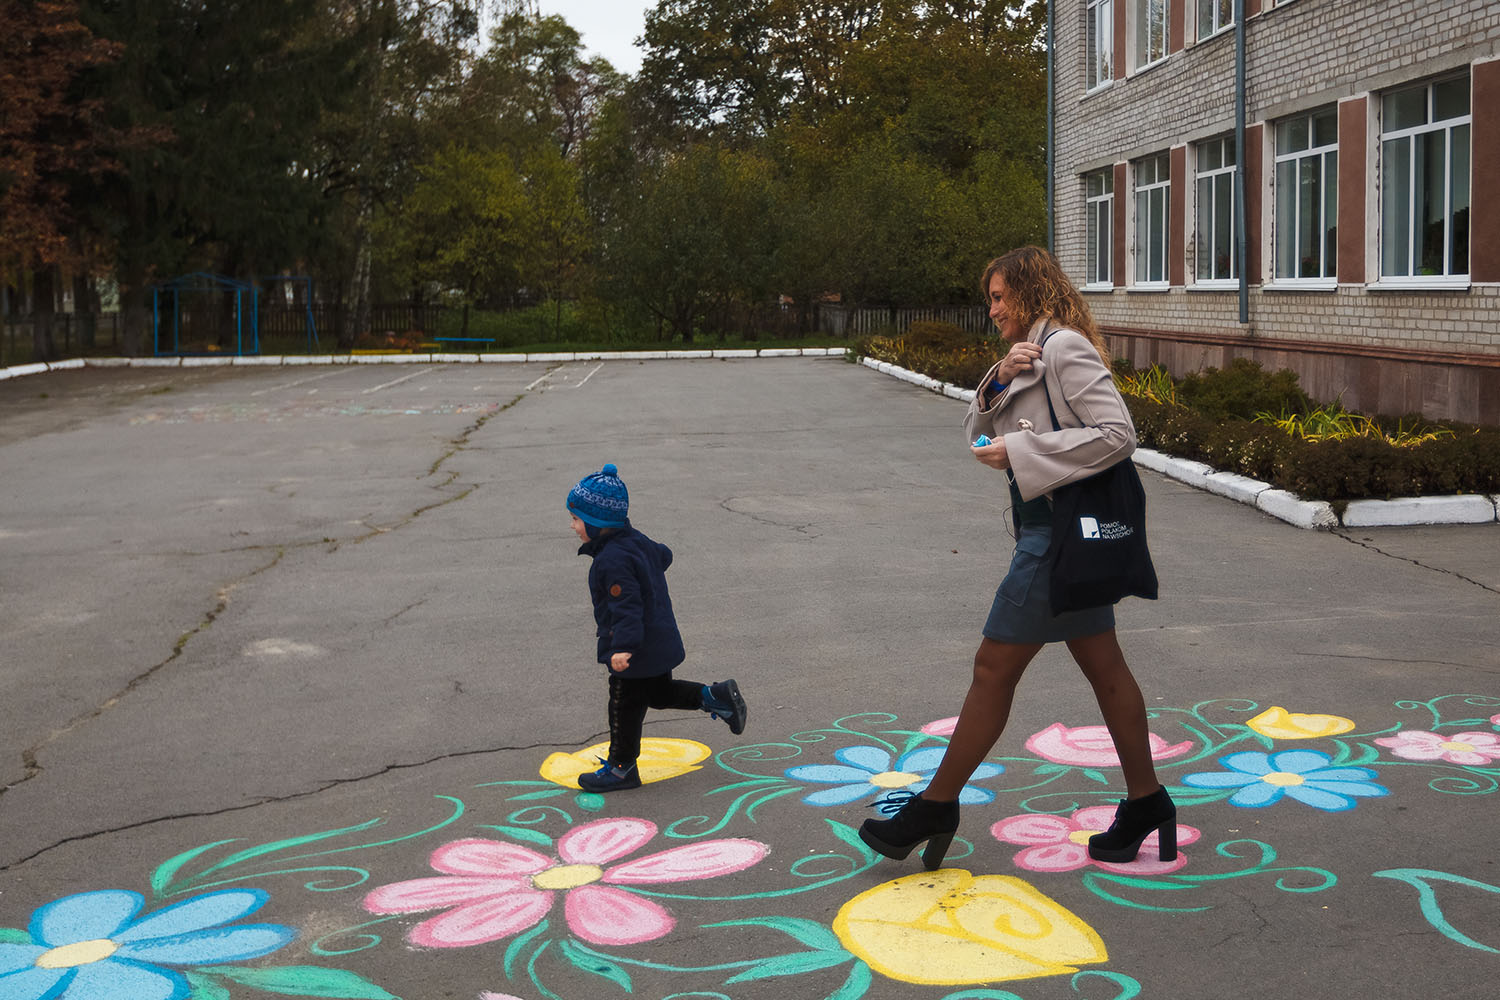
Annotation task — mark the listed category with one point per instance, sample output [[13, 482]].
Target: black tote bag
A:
[[1099, 552]]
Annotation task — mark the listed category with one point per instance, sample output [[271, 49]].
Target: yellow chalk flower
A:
[[660, 759], [950, 927], [1279, 724]]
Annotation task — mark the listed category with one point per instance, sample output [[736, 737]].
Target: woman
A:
[[1055, 349]]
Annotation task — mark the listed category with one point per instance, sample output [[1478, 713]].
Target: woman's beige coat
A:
[[1096, 430]]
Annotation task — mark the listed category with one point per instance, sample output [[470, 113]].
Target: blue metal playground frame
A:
[[204, 282]]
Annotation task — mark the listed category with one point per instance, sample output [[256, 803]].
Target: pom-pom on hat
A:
[[601, 499]]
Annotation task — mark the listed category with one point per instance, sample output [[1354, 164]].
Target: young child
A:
[[638, 637]]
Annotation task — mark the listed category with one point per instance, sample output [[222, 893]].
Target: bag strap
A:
[[1047, 332]]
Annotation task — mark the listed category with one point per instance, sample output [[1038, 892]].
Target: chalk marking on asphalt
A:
[[296, 382], [395, 381]]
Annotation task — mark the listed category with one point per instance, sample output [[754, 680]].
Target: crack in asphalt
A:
[[803, 528], [1415, 562], [29, 757], [31, 765], [291, 796]]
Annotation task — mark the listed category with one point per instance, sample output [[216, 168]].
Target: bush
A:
[[938, 350], [1210, 422], [1242, 390]]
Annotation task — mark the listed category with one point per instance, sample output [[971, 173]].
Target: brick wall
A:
[[1301, 55]]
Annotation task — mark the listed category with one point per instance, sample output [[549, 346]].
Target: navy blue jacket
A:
[[628, 582]]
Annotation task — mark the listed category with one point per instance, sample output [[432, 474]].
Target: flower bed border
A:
[[1286, 506]]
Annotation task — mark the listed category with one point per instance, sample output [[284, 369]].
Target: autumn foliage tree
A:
[[50, 136]]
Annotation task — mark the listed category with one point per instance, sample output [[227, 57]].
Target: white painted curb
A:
[[1419, 510], [1288, 507], [216, 360]]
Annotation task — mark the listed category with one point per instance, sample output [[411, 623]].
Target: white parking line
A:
[[295, 382], [580, 384], [396, 381], [589, 375]]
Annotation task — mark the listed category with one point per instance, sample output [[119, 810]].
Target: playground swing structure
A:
[[205, 314]]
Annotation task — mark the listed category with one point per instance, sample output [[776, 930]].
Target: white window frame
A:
[[1147, 243], [1218, 20], [1201, 240], [1099, 44], [1447, 127], [1099, 220], [1325, 163], [1142, 28]]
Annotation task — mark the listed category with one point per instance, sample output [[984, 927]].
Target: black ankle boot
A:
[[1134, 821], [915, 820]]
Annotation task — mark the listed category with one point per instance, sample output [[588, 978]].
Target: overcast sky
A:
[[608, 27]]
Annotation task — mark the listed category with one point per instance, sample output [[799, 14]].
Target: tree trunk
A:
[[85, 311], [44, 298], [359, 289]]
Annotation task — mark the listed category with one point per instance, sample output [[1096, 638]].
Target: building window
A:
[[1150, 31], [1099, 43], [1214, 16], [1307, 196], [1153, 184], [1214, 247], [1424, 183], [1100, 201]]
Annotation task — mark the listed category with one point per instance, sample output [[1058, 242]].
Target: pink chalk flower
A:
[[1090, 746], [491, 890], [1061, 843], [1476, 748], [945, 727]]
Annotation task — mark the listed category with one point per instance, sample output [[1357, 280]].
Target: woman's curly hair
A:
[[1038, 287]]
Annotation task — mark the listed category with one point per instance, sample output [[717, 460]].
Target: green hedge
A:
[[1209, 417]]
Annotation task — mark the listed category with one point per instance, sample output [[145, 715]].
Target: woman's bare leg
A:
[[998, 667], [1122, 705]]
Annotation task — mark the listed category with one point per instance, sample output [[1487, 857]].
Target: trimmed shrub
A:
[[1242, 390]]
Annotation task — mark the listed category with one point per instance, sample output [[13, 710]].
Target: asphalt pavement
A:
[[296, 670]]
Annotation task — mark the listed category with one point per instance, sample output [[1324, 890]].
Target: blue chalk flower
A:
[[92, 945], [867, 771], [1304, 775]]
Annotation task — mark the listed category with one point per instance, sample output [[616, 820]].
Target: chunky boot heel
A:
[[1135, 819], [915, 820], [937, 847]]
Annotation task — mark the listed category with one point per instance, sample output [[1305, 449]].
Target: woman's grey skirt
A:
[[1022, 613]]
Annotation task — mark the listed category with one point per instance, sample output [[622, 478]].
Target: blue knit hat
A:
[[601, 499]]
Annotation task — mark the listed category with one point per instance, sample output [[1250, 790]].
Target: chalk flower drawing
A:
[[1090, 746], [491, 890], [1279, 724], [866, 771], [950, 927], [1475, 749], [941, 727], [91, 945], [1060, 843], [1304, 775]]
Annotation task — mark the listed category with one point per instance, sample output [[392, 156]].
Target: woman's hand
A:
[[1017, 360], [993, 454], [619, 661]]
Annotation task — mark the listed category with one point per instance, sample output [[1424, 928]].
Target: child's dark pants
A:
[[629, 697]]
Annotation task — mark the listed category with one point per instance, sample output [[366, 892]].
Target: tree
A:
[[234, 92], [555, 227], [700, 233], [462, 225], [50, 134]]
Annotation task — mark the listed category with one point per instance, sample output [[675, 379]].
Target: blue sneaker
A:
[[723, 701], [611, 778]]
